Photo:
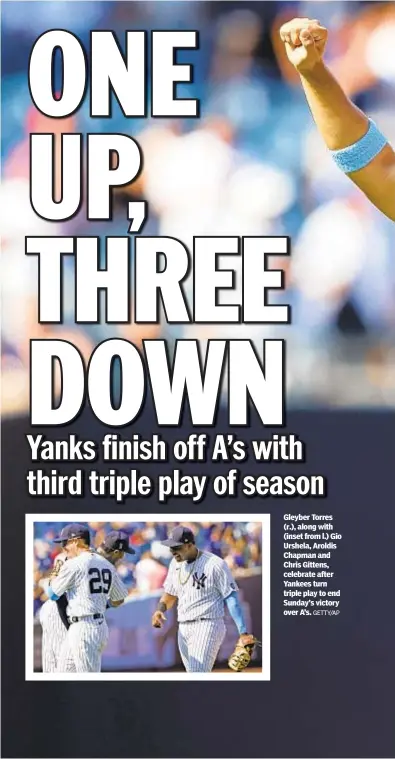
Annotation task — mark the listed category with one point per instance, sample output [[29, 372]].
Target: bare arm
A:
[[166, 602], [339, 121]]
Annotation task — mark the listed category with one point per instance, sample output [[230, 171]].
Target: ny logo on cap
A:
[[198, 582]]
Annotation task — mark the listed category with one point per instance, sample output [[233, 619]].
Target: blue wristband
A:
[[358, 155], [51, 595]]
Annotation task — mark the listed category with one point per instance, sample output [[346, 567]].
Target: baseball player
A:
[[54, 623], [114, 546], [91, 583], [356, 144], [203, 585]]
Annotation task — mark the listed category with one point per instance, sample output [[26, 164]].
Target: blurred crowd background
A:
[[252, 165], [239, 543]]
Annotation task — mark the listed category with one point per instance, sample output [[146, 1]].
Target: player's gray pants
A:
[[83, 647], [54, 635], [199, 643]]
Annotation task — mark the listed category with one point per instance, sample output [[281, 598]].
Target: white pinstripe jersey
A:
[[89, 581], [49, 616], [200, 586]]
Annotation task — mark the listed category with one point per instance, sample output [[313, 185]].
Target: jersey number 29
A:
[[100, 581]]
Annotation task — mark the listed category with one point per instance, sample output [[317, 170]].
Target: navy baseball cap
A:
[[117, 541], [73, 531], [178, 536]]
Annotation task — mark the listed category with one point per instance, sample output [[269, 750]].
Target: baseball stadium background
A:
[[331, 691], [133, 644]]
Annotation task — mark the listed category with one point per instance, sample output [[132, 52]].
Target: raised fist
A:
[[305, 41]]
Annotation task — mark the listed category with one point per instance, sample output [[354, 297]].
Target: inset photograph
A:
[[157, 598]]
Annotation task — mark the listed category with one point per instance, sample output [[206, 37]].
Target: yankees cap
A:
[[73, 531], [117, 540], [178, 536]]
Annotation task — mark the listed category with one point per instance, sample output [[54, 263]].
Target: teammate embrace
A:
[[82, 585]]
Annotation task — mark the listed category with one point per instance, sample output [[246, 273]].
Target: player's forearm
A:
[[51, 593], [339, 121], [55, 589], [166, 602], [59, 585], [342, 124], [236, 612]]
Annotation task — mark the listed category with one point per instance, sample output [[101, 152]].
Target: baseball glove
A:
[[241, 657]]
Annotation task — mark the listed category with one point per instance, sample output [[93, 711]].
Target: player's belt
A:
[[198, 619], [87, 616]]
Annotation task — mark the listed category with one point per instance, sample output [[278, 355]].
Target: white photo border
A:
[[31, 675]]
